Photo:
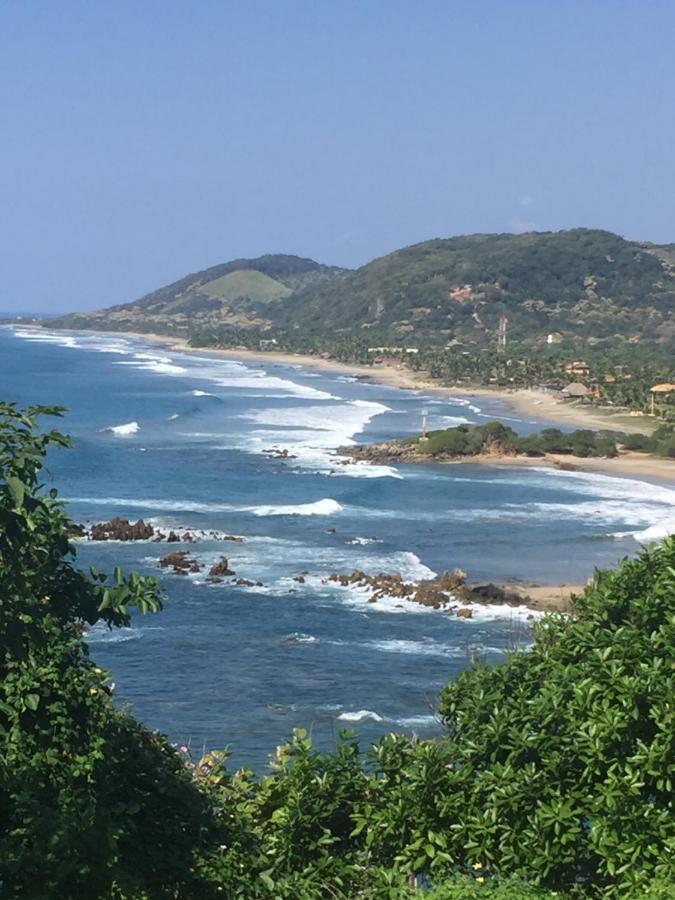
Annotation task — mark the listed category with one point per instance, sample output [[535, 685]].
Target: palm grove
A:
[[553, 778]]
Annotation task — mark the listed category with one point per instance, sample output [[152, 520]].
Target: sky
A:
[[143, 141]]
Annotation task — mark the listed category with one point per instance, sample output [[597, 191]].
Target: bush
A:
[[88, 796], [563, 757], [638, 442]]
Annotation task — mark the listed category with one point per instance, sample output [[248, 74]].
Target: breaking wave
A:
[[325, 507], [124, 430]]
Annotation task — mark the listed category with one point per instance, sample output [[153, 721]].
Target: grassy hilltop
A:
[[581, 282]]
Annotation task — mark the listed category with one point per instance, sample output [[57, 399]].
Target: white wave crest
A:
[[298, 637], [325, 507], [124, 430], [46, 337], [655, 532], [360, 715]]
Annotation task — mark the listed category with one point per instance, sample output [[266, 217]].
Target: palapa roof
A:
[[575, 389], [664, 388]]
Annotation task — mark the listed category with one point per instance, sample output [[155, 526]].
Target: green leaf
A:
[[32, 701], [17, 490]]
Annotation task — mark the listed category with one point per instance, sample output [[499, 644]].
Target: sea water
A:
[[180, 439]]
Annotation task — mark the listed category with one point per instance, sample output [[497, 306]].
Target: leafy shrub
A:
[[563, 757], [638, 442], [88, 796]]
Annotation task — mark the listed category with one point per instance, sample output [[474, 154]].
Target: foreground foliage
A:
[[554, 778]]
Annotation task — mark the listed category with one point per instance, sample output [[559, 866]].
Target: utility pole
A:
[[501, 334]]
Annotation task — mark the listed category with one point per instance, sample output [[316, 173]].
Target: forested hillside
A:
[[578, 283]]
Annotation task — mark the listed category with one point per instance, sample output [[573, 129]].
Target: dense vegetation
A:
[[554, 777], [499, 439], [583, 282], [495, 437]]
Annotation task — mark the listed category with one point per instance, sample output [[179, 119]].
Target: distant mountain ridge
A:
[[584, 282]]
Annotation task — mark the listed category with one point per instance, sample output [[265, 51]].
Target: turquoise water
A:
[[179, 438]]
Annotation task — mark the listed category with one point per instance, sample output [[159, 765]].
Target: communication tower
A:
[[501, 334]]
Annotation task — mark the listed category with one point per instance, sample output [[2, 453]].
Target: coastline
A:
[[530, 402], [627, 464], [525, 401]]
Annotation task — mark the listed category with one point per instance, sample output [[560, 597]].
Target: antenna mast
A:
[[501, 334], [424, 436]]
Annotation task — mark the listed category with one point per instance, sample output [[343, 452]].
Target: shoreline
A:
[[628, 463], [524, 401]]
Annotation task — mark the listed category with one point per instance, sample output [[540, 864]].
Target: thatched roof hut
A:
[[576, 389]]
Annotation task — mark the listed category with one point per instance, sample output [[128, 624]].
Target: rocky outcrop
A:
[[118, 529], [221, 569], [277, 453], [121, 530], [449, 592], [181, 562]]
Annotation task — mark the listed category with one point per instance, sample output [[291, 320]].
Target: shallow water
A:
[[179, 438]]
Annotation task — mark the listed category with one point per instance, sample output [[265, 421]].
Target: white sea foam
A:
[[654, 532], [299, 637], [416, 648], [124, 430], [46, 337], [365, 715], [416, 721], [312, 433], [360, 715], [198, 393], [325, 507], [101, 634], [157, 365]]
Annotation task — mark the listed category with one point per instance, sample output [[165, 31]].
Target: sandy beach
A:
[[524, 401], [627, 464], [528, 402]]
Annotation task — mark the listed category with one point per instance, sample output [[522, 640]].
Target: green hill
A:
[[582, 282]]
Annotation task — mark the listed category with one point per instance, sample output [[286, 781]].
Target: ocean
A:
[[179, 439]]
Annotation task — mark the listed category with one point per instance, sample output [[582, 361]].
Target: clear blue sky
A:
[[144, 140]]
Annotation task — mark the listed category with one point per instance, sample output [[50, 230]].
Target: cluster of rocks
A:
[[118, 529], [277, 453], [182, 563], [388, 452], [449, 592]]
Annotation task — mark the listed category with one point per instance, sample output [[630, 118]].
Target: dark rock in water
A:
[[181, 562], [277, 453], [430, 596], [465, 613], [493, 593], [244, 582], [450, 581], [221, 568], [121, 530], [172, 538], [188, 538], [75, 531], [214, 580], [330, 530], [232, 537]]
